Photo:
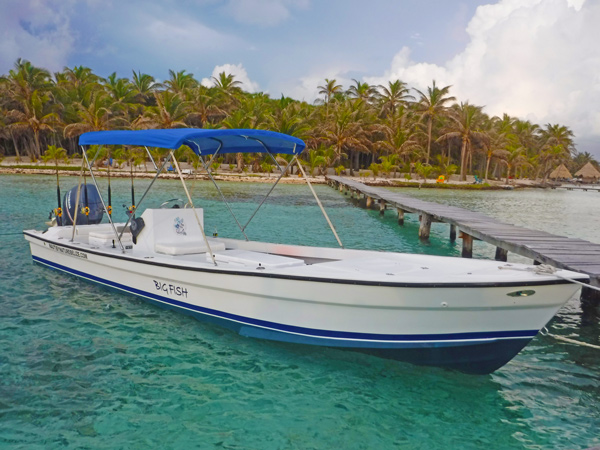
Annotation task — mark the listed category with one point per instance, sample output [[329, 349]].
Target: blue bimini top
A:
[[201, 141]]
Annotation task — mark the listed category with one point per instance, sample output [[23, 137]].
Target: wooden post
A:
[[501, 254], [453, 233], [590, 297], [425, 226], [400, 217], [369, 202], [467, 250], [381, 207]]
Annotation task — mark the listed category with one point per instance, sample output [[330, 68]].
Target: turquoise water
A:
[[84, 367]]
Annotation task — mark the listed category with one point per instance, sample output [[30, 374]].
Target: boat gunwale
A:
[[305, 278]]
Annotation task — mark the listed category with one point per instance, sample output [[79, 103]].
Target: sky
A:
[[537, 60]]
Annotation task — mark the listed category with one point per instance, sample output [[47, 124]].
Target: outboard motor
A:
[[89, 197]]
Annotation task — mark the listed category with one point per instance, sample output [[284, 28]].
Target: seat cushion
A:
[[189, 247]]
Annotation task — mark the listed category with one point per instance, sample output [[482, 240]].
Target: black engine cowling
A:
[[88, 197]]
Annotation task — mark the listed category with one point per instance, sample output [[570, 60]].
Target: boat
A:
[[464, 314]]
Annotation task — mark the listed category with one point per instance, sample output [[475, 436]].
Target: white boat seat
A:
[[108, 238], [175, 231], [189, 247], [254, 259]]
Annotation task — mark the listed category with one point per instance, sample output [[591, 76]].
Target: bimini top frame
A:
[[203, 142]]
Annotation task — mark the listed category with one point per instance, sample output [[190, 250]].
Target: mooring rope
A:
[[546, 269], [569, 340]]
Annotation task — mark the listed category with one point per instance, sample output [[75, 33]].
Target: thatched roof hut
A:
[[588, 172], [561, 172]]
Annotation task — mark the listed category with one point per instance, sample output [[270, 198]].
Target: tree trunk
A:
[[470, 156], [487, 167], [429, 125], [14, 139], [37, 149], [463, 151]]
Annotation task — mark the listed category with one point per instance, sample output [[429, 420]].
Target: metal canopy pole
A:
[[271, 190], [77, 200], [102, 200], [206, 166], [158, 172], [320, 205], [151, 158], [193, 209]]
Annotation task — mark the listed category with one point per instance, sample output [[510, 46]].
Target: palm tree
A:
[[120, 89], [29, 107], [513, 157], [558, 135], [399, 137], [388, 163], [180, 81], [204, 106], [292, 120], [170, 112], [424, 170], [228, 87], [393, 95], [329, 89], [465, 122], [144, 85], [430, 107], [362, 91], [344, 132], [36, 116], [551, 156], [94, 117], [24, 79], [581, 159]]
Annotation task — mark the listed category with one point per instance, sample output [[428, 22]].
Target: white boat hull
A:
[[473, 327]]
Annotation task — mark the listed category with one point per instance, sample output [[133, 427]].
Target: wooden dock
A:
[[543, 248], [578, 188]]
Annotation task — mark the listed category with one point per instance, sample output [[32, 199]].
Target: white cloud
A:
[[240, 75], [36, 30], [262, 12], [534, 59], [176, 34]]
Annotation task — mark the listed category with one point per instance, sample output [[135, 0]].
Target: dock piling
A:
[[501, 254], [425, 227], [467, 248], [453, 233], [400, 217]]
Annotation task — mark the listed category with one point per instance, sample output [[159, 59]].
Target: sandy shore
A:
[[9, 166]]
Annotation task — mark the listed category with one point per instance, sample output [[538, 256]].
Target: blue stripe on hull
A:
[[474, 352]]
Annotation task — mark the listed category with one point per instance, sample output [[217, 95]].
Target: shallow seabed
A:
[[86, 367]]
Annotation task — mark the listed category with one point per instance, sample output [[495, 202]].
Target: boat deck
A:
[[565, 253]]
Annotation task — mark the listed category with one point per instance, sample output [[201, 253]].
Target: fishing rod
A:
[[58, 211], [132, 208], [109, 209]]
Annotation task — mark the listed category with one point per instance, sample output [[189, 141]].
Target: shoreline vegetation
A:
[[73, 169], [390, 134]]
